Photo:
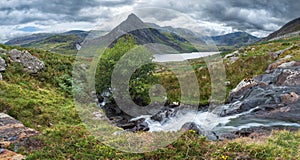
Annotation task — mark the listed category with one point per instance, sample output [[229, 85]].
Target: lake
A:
[[181, 56]]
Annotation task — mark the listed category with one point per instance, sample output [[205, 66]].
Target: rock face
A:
[[30, 63], [13, 132]]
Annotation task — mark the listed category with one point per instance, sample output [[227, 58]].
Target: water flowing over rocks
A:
[[255, 107]]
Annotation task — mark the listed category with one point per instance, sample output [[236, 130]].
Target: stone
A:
[[2, 64], [233, 59], [30, 63], [192, 126], [15, 133], [3, 51], [290, 98], [289, 77], [164, 114], [278, 53], [278, 63], [1, 77], [9, 155]]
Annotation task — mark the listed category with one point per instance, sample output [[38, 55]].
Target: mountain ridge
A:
[[289, 28]]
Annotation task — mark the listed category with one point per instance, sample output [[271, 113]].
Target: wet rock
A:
[[192, 126], [164, 114], [2, 64], [135, 125], [30, 63]]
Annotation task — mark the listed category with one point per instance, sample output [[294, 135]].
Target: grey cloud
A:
[[66, 10]]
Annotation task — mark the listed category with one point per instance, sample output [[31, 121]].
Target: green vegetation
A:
[[63, 44], [44, 102], [140, 80]]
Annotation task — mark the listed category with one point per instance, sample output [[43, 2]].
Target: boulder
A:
[[192, 126], [289, 77], [164, 114], [2, 64], [30, 63], [13, 132], [135, 125], [281, 62], [9, 155], [3, 51]]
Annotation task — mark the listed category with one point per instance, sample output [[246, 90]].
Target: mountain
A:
[[236, 39], [289, 29], [145, 34], [24, 40], [65, 43]]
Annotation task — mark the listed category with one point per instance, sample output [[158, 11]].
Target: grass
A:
[[43, 102]]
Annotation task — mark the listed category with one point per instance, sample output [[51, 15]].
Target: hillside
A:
[[43, 102], [63, 43], [234, 40], [289, 28]]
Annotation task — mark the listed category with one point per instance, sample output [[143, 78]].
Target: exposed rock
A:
[[289, 64], [135, 125], [9, 155], [3, 51], [290, 98], [278, 63], [278, 53], [2, 64], [30, 63], [289, 77], [233, 59], [164, 114], [192, 126], [254, 132], [1, 77], [14, 132]]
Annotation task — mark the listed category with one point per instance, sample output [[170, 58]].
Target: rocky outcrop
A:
[[13, 132], [2, 66], [9, 155], [271, 100], [30, 63]]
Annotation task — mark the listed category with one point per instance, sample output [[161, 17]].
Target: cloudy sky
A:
[[258, 17]]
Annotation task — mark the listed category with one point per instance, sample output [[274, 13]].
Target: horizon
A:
[[254, 17]]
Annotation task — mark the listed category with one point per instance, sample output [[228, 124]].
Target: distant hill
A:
[[287, 30], [236, 39], [65, 43]]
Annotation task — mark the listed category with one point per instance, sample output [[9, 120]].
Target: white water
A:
[[208, 121], [181, 56]]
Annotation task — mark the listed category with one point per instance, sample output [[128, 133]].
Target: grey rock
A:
[[192, 126], [1, 77], [30, 63], [2, 64], [3, 51]]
